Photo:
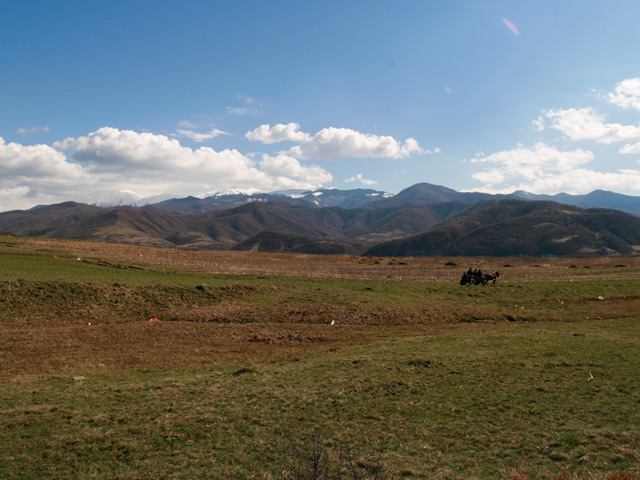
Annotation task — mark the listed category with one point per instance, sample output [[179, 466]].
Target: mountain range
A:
[[419, 194], [422, 220]]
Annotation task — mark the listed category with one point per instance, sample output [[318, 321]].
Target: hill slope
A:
[[285, 242], [43, 220], [516, 227], [488, 227], [224, 229]]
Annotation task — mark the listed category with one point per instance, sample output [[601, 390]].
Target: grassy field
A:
[[274, 366]]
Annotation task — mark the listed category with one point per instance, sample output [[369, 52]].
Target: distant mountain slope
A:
[[43, 220], [238, 224], [194, 205], [317, 198], [223, 229], [524, 228], [125, 225], [595, 199], [285, 242], [476, 224], [420, 194], [427, 194], [332, 197]]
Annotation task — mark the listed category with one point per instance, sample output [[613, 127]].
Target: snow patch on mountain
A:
[[227, 192]]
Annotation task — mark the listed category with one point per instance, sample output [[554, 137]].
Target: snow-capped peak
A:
[[230, 191]]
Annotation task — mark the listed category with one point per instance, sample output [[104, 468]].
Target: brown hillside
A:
[[284, 242], [513, 227]]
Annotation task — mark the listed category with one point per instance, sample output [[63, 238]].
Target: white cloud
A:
[[631, 148], [544, 169], [278, 133], [527, 161], [25, 131], [578, 181], [200, 136], [533, 169], [247, 100], [8, 194], [341, 143], [283, 166], [538, 124], [585, 124], [363, 181], [240, 111], [110, 160], [627, 94], [335, 143], [35, 162], [162, 162], [34, 174]]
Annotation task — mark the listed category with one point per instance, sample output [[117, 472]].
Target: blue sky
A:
[[201, 96]]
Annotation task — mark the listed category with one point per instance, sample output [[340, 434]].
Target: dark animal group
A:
[[483, 279]]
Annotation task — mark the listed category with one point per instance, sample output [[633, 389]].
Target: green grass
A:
[[244, 374], [468, 404]]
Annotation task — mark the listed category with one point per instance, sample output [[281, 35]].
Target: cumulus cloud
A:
[[545, 169], [32, 174], [110, 159], [283, 166], [577, 181], [34, 161], [278, 133], [531, 167], [581, 124], [161, 159], [335, 143], [359, 178], [626, 94], [340, 143], [631, 148]]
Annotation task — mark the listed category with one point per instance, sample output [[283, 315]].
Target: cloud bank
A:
[[110, 159], [147, 164], [546, 169], [583, 124]]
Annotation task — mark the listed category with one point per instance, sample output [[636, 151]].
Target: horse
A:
[[489, 277]]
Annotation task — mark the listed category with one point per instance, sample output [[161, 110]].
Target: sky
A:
[[194, 97]]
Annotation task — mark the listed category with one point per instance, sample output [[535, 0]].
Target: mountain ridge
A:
[[512, 227], [432, 214]]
